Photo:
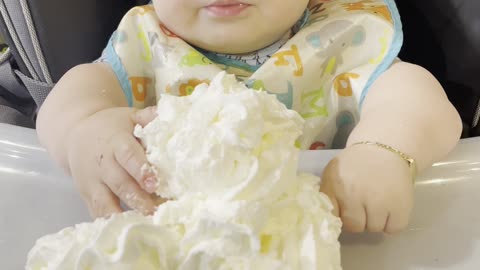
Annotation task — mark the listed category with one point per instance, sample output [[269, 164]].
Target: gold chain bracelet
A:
[[410, 161]]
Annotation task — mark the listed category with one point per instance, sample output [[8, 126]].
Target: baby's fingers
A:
[[399, 217], [348, 209], [331, 195], [145, 116], [127, 189], [102, 202], [353, 217], [131, 156], [330, 186], [377, 218]]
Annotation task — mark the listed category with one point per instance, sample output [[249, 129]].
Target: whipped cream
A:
[[291, 232], [124, 242], [226, 157], [224, 141]]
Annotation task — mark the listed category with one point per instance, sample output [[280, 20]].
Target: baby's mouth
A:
[[227, 8]]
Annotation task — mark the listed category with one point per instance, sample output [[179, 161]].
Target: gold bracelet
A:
[[410, 161]]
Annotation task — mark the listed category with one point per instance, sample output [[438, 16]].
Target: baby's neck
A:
[[249, 61]]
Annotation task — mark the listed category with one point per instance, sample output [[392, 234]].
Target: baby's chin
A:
[[232, 44]]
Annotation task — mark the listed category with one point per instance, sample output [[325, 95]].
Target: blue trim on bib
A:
[[395, 47], [219, 59], [116, 63]]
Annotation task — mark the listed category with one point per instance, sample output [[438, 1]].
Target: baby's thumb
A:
[[145, 116], [331, 195]]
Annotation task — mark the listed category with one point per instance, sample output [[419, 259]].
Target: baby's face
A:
[[230, 26]]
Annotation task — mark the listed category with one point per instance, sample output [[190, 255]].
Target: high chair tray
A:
[[37, 199]]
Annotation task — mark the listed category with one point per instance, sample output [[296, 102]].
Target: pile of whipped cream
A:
[[226, 158]]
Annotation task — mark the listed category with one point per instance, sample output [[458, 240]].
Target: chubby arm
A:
[[82, 92], [87, 127], [408, 109], [371, 187]]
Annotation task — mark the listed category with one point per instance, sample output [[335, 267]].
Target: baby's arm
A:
[[87, 128], [82, 91], [371, 187], [408, 109]]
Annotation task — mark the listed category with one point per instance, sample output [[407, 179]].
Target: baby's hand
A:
[[108, 163], [371, 189]]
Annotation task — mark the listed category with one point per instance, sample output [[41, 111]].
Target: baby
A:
[[330, 60]]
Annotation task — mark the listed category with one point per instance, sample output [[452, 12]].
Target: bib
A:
[[323, 71]]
